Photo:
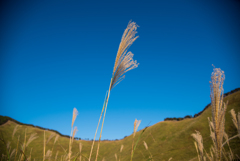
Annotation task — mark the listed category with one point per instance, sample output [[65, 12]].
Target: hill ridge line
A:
[[5, 119]]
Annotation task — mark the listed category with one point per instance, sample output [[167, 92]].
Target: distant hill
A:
[[164, 139]]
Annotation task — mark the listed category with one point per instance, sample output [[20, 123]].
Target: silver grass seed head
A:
[[136, 125], [216, 84], [198, 137], [56, 138], [31, 138], [124, 60], [14, 130], [145, 144], [121, 148], [48, 154], [74, 132], [11, 155], [75, 113], [234, 118], [50, 137]]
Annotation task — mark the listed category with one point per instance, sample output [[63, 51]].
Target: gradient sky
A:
[[59, 55]]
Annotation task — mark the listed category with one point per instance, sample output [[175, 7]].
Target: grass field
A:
[[165, 139]]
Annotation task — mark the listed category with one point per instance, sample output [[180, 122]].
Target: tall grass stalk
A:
[[135, 127], [218, 111], [17, 148], [217, 122], [80, 150], [123, 63], [44, 145], [146, 147], [24, 144], [73, 132], [56, 156], [236, 122], [55, 140], [121, 151]]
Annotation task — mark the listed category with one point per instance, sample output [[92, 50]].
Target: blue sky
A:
[[59, 55]]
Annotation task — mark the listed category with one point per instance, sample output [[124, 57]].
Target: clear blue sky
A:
[[59, 55]]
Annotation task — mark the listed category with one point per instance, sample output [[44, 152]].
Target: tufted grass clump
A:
[[217, 123]]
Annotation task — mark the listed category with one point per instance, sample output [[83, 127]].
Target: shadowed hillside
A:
[[165, 139]]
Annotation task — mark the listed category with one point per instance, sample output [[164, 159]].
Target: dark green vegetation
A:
[[165, 139]]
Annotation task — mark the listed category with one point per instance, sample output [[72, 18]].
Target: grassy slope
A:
[[165, 139]]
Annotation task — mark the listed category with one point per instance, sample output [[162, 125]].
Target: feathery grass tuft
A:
[[136, 125], [124, 62], [198, 144], [75, 113], [121, 148], [31, 138], [236, 120]]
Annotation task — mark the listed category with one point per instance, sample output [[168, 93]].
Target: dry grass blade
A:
[[115, 156], [195, 143], [98, 125]]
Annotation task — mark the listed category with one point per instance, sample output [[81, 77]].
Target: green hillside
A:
[[165, 139]]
